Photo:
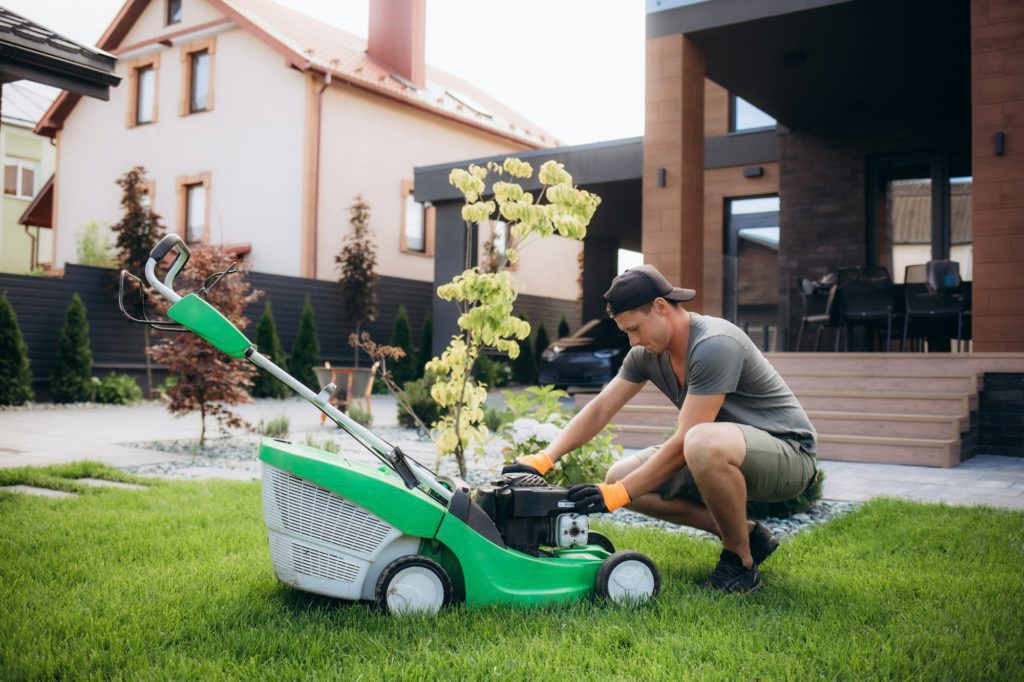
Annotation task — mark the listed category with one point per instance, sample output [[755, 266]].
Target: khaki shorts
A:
[[775, 469]]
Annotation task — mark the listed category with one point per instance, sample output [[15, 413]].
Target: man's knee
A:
[[621, 469], [713, 444]]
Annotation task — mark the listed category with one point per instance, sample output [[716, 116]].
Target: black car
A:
[[587, 359]]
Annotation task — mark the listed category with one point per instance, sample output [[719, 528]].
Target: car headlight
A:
[[607, 353]]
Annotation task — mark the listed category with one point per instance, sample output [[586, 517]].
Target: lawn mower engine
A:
[[530, 513]]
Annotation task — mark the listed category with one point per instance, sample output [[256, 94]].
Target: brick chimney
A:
[[397, 29]]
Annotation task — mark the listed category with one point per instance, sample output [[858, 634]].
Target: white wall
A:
[[370, 145], [251, 143]]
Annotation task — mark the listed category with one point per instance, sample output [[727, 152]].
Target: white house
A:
[[259, 125]]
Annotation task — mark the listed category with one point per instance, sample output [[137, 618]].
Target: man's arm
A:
[[697, 409], [584, 426], [594, 416]]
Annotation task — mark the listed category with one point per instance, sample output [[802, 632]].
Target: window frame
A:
[[21, 164], [733, 130], [147, 188], [429, 225], [135, 66], [209, 45], [182, 184], [167, 12]]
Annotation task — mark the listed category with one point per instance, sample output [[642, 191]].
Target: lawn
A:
[[175, 582]]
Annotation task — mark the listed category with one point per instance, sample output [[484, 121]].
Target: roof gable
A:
[[312, 45]]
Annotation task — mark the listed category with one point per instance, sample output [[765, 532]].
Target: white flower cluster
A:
[[525, 429]]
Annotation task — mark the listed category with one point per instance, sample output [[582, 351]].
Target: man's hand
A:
[[594, 498], [538, 464]]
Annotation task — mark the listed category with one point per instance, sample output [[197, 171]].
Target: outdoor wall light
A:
[[1000, 143], [753, 172], [662, 175]]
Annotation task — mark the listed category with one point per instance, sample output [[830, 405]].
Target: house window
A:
[[173, 11], [495, 246], [744, 116], [147, 190], [145, 103], [194, 207], [20, 177], [197, 81], [143, 96], [417, 223]]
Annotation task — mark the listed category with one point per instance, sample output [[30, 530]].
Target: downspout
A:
[[34, 251], [316, 169]]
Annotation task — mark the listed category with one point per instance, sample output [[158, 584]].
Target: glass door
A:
[[751, 248]]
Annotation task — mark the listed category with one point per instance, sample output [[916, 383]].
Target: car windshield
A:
[[601, 331]]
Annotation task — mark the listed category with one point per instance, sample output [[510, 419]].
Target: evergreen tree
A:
[[524, 367], [15, 377], [306, 349], [265, 385], [563, 328], [541, 341], [404, 369], [71, 381], [137, 233], [425, 352], [356, 261]]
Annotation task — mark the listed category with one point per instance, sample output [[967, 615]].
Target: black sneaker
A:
[[762, 543], [730, 575]]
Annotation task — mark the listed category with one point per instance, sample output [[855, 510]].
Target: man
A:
[[741, 432]]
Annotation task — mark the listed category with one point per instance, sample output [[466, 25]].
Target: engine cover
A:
[[530, 513]]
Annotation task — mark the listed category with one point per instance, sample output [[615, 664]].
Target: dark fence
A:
[[118, 345]]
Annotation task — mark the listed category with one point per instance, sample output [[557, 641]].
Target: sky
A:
[[574, 67]]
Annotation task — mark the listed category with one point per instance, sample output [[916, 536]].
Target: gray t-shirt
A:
[[721, 359]]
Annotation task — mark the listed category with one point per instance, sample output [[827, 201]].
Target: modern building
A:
[[258, 126]]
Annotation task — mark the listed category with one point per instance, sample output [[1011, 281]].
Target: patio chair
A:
[[932, 292], [353, 386], [817, 300], [865, 297]]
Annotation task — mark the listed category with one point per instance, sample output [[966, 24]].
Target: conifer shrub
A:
[[424, 352], [306, 349], [71, 381], [563, 328], [524, 367], [541, 341], [403, 369], [15, 377], [264, 385]]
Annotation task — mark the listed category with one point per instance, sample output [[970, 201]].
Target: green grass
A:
[[175, 582], [61, 477]]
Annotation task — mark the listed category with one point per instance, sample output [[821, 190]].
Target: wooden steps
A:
[[895, 408]]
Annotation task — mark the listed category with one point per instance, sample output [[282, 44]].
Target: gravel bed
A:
[[235, 457], [45, 407]]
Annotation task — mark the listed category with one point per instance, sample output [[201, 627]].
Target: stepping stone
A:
[[32, 490], [99, 482]]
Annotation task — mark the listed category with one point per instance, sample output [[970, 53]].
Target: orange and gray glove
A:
[[594, 498], [538, 464]]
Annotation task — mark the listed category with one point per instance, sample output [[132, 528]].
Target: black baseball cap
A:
[[640, 285]]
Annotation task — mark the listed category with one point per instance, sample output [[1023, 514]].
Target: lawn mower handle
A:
[[163, 247], [410, 472]]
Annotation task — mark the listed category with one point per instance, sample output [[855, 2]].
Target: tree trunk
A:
[[149, 364], [359, 329]]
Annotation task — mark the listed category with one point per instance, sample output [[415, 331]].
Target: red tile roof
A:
[[310, 44]]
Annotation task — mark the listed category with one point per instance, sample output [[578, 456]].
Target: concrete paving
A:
[[50, 436]]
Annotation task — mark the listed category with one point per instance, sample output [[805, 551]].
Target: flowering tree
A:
[[486, 299], [207, 379]]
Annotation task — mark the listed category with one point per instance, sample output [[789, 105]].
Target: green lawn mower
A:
[[397, 534]]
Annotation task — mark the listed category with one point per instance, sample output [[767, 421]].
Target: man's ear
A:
[[660, 306]]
